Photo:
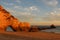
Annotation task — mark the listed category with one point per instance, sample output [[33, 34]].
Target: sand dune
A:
[[29, 36]]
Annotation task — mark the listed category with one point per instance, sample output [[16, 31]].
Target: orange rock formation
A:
[[24, 26], [6, 19]]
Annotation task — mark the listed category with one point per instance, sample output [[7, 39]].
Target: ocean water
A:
[[9, 29], [54, 30]]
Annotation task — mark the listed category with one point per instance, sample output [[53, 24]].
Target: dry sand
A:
[[29, 36]]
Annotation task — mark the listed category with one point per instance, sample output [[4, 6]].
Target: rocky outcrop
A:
[[24, 26], [3, 18], [34, 29], [6, 19], [52, 26]]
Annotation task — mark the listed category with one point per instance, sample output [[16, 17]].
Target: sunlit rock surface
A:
[[6, 19], [24, 26]]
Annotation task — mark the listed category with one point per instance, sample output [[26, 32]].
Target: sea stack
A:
[[52, 26]]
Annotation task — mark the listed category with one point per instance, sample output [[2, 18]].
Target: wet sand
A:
[[29, 36]]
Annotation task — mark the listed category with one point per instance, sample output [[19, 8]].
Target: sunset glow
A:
[[37, 12]]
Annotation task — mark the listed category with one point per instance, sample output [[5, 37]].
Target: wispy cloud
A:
[[53, 15], [7, 3], [26, 11], [51, 3], [12, 12], [33, 10], [26, 15], [18, 1], [17, 7]]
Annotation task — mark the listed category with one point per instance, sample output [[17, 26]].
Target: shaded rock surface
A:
[[52, 26]]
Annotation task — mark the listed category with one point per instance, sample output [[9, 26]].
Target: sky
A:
[[37, 12]]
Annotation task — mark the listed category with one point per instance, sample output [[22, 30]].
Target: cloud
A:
[[31, 8], [17, 7], [13, 12], [29, 13], [53, 15], [28, 9], [7, 3], [26, 13], [19, 14], [18, 1], [52, 3], [10, 10]]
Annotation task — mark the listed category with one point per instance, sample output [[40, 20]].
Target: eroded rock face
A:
[[34, 29], [6, 19], [3, 18], [24, 26]]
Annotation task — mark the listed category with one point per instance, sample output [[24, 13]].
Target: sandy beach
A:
[[29, 36]]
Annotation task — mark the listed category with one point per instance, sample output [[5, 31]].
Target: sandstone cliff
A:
[[6, 19]]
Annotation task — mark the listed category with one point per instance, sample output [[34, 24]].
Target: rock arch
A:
[[6, 19]]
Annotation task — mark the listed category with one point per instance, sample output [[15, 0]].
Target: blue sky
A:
[[38, 12]]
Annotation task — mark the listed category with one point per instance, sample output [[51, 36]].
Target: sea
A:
[[53, 30]]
